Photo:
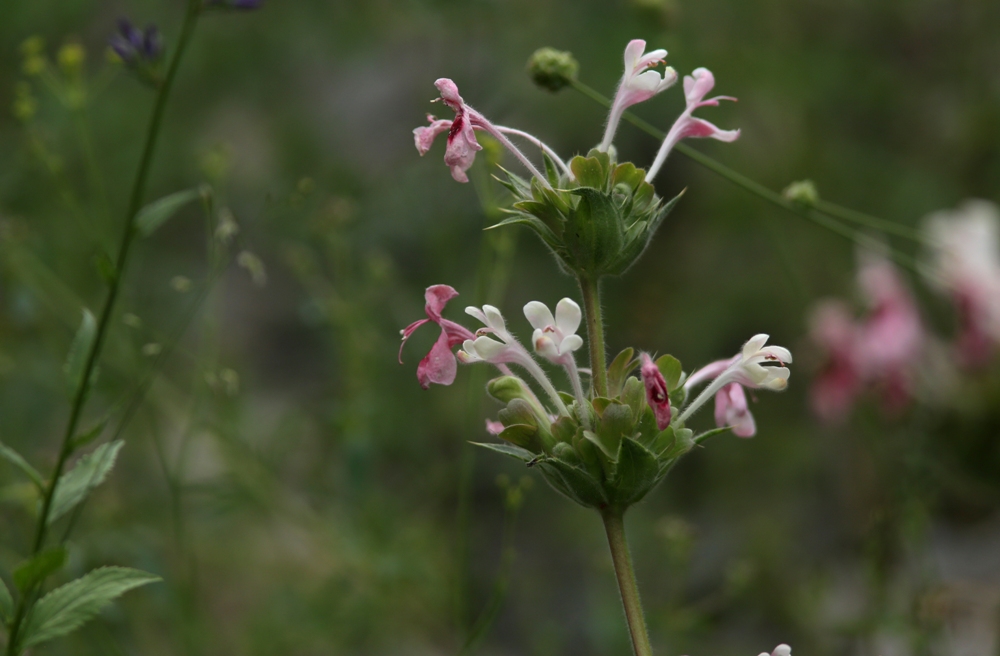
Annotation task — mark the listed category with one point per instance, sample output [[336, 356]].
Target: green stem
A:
[[614, 525], [80, 394], [590, 289]]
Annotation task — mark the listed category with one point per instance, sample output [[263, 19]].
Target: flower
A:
[[780, 650], [964, 259], [696, 85], [555, 338], [637, 85], [135, 46], [656, 391], [756, 366], [750, 370], [460, 152], [439, 365], [731, 410], [882, 349]]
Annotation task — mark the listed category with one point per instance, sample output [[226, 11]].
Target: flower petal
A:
[[439, 365], [568, 316], [435, 298], [570, 344], [539, 315]]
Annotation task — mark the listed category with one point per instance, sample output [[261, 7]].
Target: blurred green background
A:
[[299, 492]]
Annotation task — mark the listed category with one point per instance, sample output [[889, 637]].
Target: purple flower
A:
[[136, 47]]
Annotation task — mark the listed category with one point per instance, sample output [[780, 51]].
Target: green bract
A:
[[607, 454], [598, 223]]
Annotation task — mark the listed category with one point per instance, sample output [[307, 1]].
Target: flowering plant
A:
[[604, 445]]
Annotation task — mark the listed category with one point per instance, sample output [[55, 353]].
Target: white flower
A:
[[749, 370], [638, 84], [555, 338], [780, 650]]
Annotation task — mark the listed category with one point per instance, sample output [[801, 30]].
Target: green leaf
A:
[[618, 369], [89, 436], [634, 395], [616, 422], [14, 458], [76, 484], [587, 171], [156, 213], [79, 350], [68, 607], [594, 232], [34, 571], [508, 450], [106, 268], [6, 604], [573, 481], [522, 435], [636, 473], [701, 437], [551, 172]]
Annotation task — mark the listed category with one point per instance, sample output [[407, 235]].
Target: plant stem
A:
[[590, 289], [80, 394], [614, 525]]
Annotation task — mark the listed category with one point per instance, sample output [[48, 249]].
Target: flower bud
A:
[[552, 69], [507, 388], [802, 191]]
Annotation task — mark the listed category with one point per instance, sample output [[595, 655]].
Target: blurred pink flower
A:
[[965, 262], [696, 86], [656, 391], [880, 351], [439, 365]]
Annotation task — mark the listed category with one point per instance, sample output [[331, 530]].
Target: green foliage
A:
[[70, 606], [6, 604], [155, 214], [79, 350], [619, 368], [14, 458], [596, 224], [76, 484], [32, 572]]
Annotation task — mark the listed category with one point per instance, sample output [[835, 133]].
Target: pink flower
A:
[[656, 391], [439, 365], [637, 85], [731, 410], [696, 86], [837, 386], [756, 366], [460, 152]]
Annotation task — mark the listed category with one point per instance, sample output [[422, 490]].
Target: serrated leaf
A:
[[70, 606], [671, 369], [618, 370], [587, 171], [14, 458], [79, 350], [155, 214], [6, 604], [34, 571], [508, 450], [76, 484]]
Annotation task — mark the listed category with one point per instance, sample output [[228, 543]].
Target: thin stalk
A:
[[595, 335], [817, 213], [614, 525], [80, 394]]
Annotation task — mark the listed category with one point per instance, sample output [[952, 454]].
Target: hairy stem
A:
[[614, 525], [591, 292], [80, 394]]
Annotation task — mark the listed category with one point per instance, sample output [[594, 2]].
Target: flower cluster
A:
[[597, 450], [595, 214]]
